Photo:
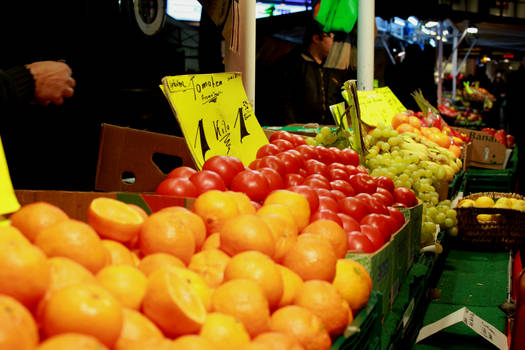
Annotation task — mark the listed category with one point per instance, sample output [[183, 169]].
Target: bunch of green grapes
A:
[[340, 138], [442, 215]]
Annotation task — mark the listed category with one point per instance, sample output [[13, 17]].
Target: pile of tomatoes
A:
[[335, 185]]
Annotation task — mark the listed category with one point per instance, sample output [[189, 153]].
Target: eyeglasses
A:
[[330, 35]]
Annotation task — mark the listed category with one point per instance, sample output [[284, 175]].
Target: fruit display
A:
[[126, 279], [501, 136]]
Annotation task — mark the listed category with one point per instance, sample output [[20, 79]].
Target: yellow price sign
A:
[[215, 116], [8, 201], [379, 106]]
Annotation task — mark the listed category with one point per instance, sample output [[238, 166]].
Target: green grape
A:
[[319, 138], [325, 131], [441, 173], [428, 227], [449, 223], [373, 163], [394, 141], [377, 133], [311, 141], [446, 203], [440, 218], [453, 231], [451, 213]]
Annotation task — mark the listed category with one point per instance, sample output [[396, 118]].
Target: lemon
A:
[[484, 202], [466, 203], [519, 205], [484, 218], [503, 202]]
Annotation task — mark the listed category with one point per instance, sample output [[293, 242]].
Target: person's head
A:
[[317, 41]]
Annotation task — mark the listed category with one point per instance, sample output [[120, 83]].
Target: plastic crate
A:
[[365, 331], [486, 180]]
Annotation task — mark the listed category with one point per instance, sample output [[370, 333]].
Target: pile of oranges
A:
[[221, 275]]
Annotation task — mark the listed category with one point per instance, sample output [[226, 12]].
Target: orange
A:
[[197, 283], [114, 219], [18, 329], [455, 149], [246, 232], [192, 342], [333, 232], [245, 300], [279, 210], [8, 233], [414, 121], [84, 308], [284, 233], [243, 202], [139, 209], [213, 241], [291, 284], [311, 257], [69, 341], [155, 261], [126, 283], [214, 207], [150, 344], [172, 304], [324, 300], [118, 253], [353, 282], [136, 326], [440, 139], [75, 240], [166, 233], [296, 203], [224, 331], [210, 265], [24, 270], [278, 341], [255, 346], [405, 127], [303, 324], [398, 119], [192, 220], [31, 218], [426, 131], [260, 268]]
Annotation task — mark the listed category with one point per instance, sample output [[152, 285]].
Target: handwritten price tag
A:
[[215, 116], [8, 200], [378, 106]]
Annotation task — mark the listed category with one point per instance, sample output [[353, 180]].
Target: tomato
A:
[[324, 192], [351, 170], [405, 196], [177, 186], [302, 172], [297, 140], [337, 165], [252, 183], [361, 169], [349, 223], [337, 174], [267, 150], [373, 204], [359, 242], [386, 183], [328, 203], [386, 193], [326, 155], [373, 235], [383, 199], [362, 183], [283, 144], [338, 195], [326, 214], [337, 153], [343, 186], [182, 171], [292, 162], [349, 156], [398, 217], [292, 180], [314, 166], [307, 152], [275, 181], [274, 163], [225, 166], [281, 134], [354, 207], [309, 193], [206, 180], [254, 165], [381, 222], [316, 180]]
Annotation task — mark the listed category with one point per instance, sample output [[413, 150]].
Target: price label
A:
[[8, 201], [379, 106], [215, 116]]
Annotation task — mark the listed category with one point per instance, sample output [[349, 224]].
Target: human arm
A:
[[53, 81], [17, 86]]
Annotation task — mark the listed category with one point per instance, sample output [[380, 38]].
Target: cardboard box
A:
[[131, 160], [414, 216], [484, 151]]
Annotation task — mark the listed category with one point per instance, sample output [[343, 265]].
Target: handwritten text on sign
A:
[[379, 106], [215, 116]]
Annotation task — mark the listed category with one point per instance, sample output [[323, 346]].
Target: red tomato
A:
[[326, 155], [292, 180], [337, 153], [297, 140], [307, 152], [373, 235], [252, 183], [324, 192], [372, 204], [349, 223], [349, 156], [268, 149], [337, 165], [283, 144], [338, 174], [386, 193], [361, 169], [343, 186], [386, 183], [314, 166], [182, 171], [206, 180], [275, 181], [291, 161], [383, 199], [281, 134], [398, 217], [327, 215], [381, 222], [274, 163], [309, 193], [359, 242], [177, 186], [254, 165], [316, 180], [362, 183], [338, 195], [354, 207], [328, 203], [351, 170], [405, 196], [302, 172], [224, 166]]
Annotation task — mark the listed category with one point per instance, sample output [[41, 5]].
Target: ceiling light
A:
[[399, 21], [431, 24], [413, 20], [472, 30]]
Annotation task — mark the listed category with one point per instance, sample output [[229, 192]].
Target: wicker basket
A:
[[504, 230]]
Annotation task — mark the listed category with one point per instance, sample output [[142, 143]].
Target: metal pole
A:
[[365, 45], [440, 64], [454, 65]]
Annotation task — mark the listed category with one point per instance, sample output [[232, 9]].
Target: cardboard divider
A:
[[130, 151]]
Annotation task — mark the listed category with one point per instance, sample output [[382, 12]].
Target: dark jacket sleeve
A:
[[17, 86]]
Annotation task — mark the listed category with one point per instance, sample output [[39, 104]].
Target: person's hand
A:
[[53, 81]]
